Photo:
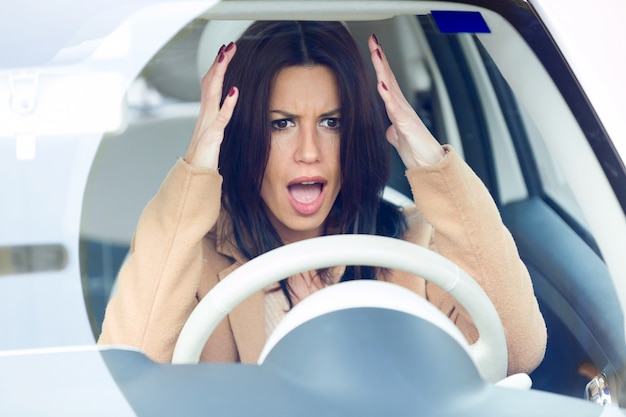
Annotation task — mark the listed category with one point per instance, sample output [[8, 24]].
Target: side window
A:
[[517, 131], [477, 119], [555, 185], [541, 169], [497, 136]]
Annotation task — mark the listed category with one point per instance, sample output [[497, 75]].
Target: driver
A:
[[290, 144]]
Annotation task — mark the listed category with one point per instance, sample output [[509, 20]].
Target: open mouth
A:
[[306, 192], [307, 195]]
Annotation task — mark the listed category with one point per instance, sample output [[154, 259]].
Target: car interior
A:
[[470, 95]]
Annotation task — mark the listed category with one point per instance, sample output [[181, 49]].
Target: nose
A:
[[308, 150]]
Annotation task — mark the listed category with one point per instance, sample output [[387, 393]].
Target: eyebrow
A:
[[288, 115]]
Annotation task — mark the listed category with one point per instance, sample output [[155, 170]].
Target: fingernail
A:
[[221, 58], [221, 50], [231, 92], [229, 47], [375, 39], [384, 86], [379, 54]]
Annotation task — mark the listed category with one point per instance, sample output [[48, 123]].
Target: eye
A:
[[282, 124], [331, 122]]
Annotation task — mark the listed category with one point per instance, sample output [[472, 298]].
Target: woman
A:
[[294, 125]]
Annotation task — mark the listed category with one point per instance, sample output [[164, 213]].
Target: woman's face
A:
[[303, 176]]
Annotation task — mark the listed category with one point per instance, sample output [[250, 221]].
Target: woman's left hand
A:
[[407, 133]]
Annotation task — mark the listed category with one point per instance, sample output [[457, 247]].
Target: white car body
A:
[[67, 69]]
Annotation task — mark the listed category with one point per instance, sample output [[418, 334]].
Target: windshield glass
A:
[[96, 116]]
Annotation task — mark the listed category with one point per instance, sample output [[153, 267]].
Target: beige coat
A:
[[183, 246]]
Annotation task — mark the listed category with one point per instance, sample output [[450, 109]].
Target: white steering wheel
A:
[[489, 352]]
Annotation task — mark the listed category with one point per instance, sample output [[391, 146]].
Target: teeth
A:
[[308, 183]]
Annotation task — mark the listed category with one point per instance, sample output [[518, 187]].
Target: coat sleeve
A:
[[468, 230], [159, 281]]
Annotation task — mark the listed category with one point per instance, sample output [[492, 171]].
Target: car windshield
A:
[[80, 110]]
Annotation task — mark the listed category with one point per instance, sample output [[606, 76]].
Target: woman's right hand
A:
[[207, 137]]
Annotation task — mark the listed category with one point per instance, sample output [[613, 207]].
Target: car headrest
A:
[[176, 71], [215, 34], [172, 70]]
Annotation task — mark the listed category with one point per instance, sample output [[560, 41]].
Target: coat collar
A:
[[225, 239], [247, 320]]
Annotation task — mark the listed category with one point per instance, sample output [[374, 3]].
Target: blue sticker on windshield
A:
[[460, 22]]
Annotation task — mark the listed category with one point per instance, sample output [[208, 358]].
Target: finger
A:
[[215, 131], [212, 119], [206, 146], [392, 136], [213, 81], [212, 84], [398, 108], [212, 129], [408, 134], [226, 111], [385, 76]]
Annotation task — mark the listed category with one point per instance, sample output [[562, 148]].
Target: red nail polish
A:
[[221, 58], [229, 47], [375, 39], [231, 92], [221, 50], [384, 86], [379, 54]]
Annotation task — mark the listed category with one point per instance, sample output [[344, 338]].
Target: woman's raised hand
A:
[[207, 137], [411, 138]]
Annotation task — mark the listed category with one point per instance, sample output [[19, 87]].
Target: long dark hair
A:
[[263, 51]]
